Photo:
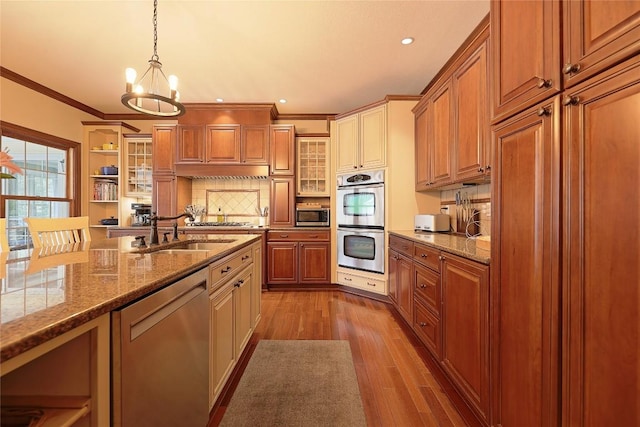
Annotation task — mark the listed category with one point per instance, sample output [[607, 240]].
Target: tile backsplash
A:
[[480, 197], [238, 199]]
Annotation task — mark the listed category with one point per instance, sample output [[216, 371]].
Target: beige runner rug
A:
[[297, 383]]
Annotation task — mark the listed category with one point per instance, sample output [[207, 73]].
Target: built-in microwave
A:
[[312, 217]]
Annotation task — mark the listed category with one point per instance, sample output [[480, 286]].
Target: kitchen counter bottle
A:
[[220, 215]]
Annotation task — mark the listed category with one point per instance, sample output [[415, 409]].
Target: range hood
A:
[[214, 171]]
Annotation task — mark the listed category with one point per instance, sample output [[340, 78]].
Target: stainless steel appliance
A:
[[432, 222], [312, 217], [160, 357], [362, 249], [360, 200], [141, 214]]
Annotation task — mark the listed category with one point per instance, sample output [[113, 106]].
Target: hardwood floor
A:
[[396, 386]]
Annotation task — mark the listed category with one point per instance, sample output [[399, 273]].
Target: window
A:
[[47, 186]]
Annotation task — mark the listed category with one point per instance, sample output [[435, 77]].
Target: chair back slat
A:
[[4, 242], [58, 231]]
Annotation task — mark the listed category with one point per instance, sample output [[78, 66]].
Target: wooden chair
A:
[[4, 242], [58, 231]]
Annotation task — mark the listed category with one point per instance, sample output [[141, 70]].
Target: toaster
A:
[[432, 222]]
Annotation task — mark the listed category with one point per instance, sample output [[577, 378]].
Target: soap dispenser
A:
[[220, 215]]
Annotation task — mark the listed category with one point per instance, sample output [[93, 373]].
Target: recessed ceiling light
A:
[[407, 40], [219, 100], [282, 101]]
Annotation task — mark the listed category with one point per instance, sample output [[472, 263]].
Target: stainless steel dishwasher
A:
[[160, 348]]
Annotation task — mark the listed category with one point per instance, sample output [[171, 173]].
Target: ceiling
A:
[[323, 57]]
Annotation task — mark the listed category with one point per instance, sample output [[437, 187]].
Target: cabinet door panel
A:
[[373, 138], [255, 144], [426, 287], [242, 306], [164, 146], [465, 332], [223, 144], [283, 262], [282, 150], [471, 124], [598, 34], [525, 43], [422, 135], [525, 276], [164, 195], [427, 326], [405, 287], [282, 202], [602, 325], [442, 136], [221, 341], [347, 137], [190, 147], [314, 262]]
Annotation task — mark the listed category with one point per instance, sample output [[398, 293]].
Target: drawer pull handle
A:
[[347, 279], [371, 284], [238, 283], [423, 324], [225, 270], [422, 285], [423, 255], [245, 257], [284, 236], [313, 236]]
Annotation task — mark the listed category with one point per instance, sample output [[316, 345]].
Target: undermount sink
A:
[[203, 246], [179, 251], [184, 247]]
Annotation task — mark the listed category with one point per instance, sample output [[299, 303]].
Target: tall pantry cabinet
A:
[[565, 299]]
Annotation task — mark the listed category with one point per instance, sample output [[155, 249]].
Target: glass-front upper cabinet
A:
[[138, 162], [313, 166]]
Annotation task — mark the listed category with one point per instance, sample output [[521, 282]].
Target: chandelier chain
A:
[[155, 56]]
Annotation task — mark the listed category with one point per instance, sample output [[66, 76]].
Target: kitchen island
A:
[[56, 305]]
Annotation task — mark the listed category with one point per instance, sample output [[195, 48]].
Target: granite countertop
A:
[[452, 243], [50, 291]]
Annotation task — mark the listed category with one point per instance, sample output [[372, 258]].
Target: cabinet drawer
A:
[[298, 236], [227, 267], [401, 245], [426, 285], [360, 282], [427, 256], [427, 326]]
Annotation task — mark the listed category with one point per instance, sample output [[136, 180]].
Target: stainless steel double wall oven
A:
[[360, 218]]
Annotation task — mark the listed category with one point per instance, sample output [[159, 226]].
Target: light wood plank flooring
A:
[[396, 386]]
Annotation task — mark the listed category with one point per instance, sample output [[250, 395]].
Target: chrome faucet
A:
[[153, 239]]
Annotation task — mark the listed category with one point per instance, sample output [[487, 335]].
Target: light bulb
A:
[[130, 74], [139, 89], [173, 82]]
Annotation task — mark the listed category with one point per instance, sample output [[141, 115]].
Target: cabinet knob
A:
[[422, 285], [570, 100], [423, 324], [442, 258], [301, 245], [355, 167], [543, 83], [544, 111], [571, 68], [480, 169], [487, 168]]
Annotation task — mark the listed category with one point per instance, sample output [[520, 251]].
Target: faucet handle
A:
[[141, 242], [175, 231], [164, 238]]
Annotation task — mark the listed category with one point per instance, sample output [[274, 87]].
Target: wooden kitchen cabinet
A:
[[525, 54], [190, 146], [282, 202], [525, 288], [313, 167], [401, 276], [170, 195], [298, 257], [465, 328], [471, 143], [164, 148], [601, 316], [597, 35], [361, 140], [452, 142], [283, 150], [138, 163], [229, 144]]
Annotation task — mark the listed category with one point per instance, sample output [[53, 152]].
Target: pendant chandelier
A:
[[146, 94]]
